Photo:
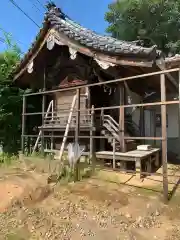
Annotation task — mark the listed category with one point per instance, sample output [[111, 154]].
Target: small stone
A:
[[148, 205], [128, 215], [139, 219], [157, 213]]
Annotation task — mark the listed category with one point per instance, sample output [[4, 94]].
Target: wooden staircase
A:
[[111, 131]]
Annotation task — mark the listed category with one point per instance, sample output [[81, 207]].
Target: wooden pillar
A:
[[154, 125], [52, 141], [114, 153], [43, 114], [23, 124], [77, 116], [91, 151], [121, 119], [164, 136], [142, 123], [43, 111], [102, 141], [77, 168]]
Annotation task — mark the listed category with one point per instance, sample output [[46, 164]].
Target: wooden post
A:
[[154, 125], [42, 134], [102, 141], [77, 116], [91, 151], [77, 167], [164, 136], [52, 141], [142, 126], [121, 119], [43, 111], [114, 153], [23, 125]]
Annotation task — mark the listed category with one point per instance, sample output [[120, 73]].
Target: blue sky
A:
[[89, 13]]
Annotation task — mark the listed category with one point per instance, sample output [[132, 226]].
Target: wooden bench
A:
[[137, 156]]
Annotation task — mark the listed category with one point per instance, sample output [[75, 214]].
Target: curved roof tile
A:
[[90, 39], [56, 19]]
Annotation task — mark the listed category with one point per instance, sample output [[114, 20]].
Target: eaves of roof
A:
[[56, 19]]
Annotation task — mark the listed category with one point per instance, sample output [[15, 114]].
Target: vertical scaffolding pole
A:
[[43, 111], [154, 125], [77, 116], [77, 132], [102, 141], [23, 124], [91, 151], [164, 136], [42, 135], [121, 119], [142, 120]]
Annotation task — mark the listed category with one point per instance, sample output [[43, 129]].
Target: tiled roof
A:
[[56, 19], [59, 21]]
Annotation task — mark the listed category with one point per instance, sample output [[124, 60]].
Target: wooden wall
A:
[[63, 101]]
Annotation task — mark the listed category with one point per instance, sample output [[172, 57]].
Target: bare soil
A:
[[95, 208]]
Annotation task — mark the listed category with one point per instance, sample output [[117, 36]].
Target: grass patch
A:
[[20, 234], [7, 159]]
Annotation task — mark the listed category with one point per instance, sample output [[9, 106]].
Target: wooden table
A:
[[136, 156]]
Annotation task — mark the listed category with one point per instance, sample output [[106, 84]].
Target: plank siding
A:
[[63, 101]]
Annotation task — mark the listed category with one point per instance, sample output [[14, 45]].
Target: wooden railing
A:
[[62, 120]]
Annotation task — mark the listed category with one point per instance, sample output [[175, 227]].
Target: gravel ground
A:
[[91, 209]]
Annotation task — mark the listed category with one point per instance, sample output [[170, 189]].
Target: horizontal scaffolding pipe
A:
[[105, 83], [114, 107], [97, 137]]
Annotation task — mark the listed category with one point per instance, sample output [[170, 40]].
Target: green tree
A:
[[153, 21], [10, 99]]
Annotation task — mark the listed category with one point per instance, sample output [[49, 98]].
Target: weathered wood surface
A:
[[67, 127], [132, 154]]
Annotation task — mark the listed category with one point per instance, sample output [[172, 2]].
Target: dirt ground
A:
[[95, 208]]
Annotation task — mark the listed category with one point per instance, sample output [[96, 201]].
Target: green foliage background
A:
[[10, 99], [154, 21]]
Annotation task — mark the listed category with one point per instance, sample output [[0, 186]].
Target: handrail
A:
[[112, 119], [115, 126], [111, 125]]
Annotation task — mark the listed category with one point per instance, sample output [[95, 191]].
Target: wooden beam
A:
[[137, 77], [164, 136]]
